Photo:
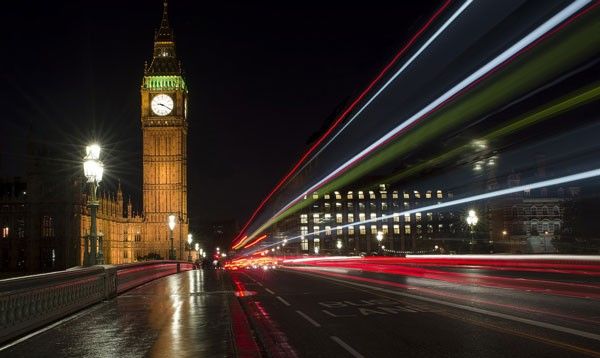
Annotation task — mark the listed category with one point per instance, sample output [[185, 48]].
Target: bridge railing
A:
[[30, 302]]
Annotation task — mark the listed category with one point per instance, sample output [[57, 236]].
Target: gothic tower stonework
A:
[[164, 135]]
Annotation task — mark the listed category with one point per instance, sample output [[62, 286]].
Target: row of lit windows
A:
[[382, 194], [362, 206], [535, 211], [316, 218], [362, 229], [545, 226]]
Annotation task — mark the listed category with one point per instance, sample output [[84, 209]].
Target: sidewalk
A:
[[192, 314]]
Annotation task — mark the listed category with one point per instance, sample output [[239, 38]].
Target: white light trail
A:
[[506, 55], [581, 258], [542, 184], [400, 71]]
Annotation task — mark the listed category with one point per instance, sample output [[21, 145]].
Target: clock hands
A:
[[164, 105]]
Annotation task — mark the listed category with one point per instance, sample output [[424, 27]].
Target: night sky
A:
[[263, 78]]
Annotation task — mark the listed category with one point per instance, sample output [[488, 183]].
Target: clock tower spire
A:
[[164, 133], [164, 59]]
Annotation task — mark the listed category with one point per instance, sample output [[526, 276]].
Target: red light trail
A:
[[341, 118], [256, 241]]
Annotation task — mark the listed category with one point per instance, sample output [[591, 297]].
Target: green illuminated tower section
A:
[[164, 127]]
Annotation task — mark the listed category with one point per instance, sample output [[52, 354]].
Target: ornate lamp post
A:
[[339, 246], [379, 239], [197, 247], [472, 220], [93, 170], [190, 247], [172, 223]]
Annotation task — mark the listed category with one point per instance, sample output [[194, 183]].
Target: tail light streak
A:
[[352, 106], [519, 47], [541, 184], [475, 76]]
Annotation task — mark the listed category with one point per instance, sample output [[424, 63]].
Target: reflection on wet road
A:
[[326, 313], [177, 316]]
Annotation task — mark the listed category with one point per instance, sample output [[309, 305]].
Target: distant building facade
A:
[[530, 221], [38, 216], [340, 216]]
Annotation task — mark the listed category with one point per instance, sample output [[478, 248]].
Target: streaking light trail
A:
[[480, 73], [542, 184], [400, 71], [342, 116], [256, 242]]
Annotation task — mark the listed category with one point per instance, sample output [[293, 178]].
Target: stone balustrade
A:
[[30, 302]]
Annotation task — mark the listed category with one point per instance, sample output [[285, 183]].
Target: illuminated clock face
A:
[[162, 104]]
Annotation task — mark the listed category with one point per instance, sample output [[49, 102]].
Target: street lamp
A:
[[316, 250], [338, 244], [472, 220], [190, 247], [379, 238], [197, 247], [93, 169], [172, 223]]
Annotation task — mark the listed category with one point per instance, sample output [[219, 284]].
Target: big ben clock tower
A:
[[164, 127]]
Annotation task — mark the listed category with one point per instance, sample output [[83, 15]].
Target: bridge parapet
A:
[[30, 302]]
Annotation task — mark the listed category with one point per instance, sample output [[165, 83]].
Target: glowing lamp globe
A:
[[172, 222]]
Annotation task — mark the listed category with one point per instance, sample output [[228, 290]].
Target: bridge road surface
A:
[[183, 315], [326, 313]]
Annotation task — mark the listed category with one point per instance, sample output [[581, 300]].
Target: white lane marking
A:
[[306, 317], [336, 315], [347, 347], [550, 326], [55, 324], [270, 291], [284, 301], [258, 283]]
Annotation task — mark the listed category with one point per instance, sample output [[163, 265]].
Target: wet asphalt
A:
[[332, 314], [183, 315]]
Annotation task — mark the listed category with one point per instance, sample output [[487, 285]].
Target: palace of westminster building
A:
[[44, 217]]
